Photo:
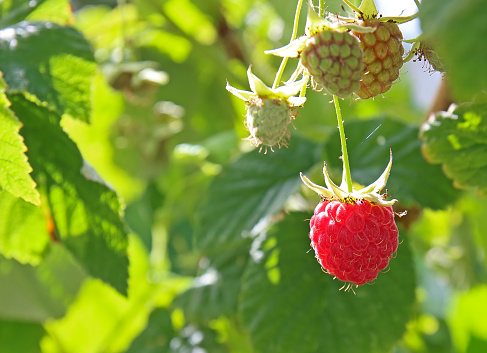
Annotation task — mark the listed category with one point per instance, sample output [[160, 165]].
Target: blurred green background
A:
[[217, 246]]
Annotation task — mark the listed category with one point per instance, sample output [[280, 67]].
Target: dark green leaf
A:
[[458, 140], [457, 28], [477, 345], [255, 186], [23, 230], [86, 213], [156, 336], [289, 305], [14, 167], [215, 292], [412, 179], [58, 74], [20, 337]]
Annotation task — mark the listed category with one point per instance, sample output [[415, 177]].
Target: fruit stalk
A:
[[346, 166], [293, 37], [322, 8]]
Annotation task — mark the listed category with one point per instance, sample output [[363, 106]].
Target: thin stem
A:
[[293, 37], [322, 8], [346, 166]]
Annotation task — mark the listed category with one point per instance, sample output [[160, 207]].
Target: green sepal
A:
[[398, 19], [260, 89], [356, 28], [315, 23], [320, 190], [368, 9], [291, 50], [370, 193], [257, 85]]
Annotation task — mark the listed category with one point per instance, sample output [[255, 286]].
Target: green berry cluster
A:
[[335, 61]]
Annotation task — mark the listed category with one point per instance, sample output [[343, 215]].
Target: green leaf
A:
[[253, 187], [86, 213], [20, 337], [458, 140], [156, 336], [456, 27], [14, 167], [23, 230], [57, 11], [412, 179], [215, 292], [289, 305], [59, 74], [12, 12], [35, 294]]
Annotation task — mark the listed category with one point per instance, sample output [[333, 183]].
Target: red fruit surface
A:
[[353, 241]]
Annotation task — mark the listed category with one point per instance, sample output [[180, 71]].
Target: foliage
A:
[[134, 218]]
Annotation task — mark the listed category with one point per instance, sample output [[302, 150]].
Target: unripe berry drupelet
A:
[[334, 60], [268, 120], [383, 51]]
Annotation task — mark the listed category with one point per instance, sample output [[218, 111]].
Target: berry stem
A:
[[346, 166], [293, 37], [322, 8]]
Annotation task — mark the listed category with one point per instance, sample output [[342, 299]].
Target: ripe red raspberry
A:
[[383, 51], [353, 241], [334, 60]]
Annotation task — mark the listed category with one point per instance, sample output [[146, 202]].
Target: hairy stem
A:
[[322, 8], [293, 37], [346, 166]]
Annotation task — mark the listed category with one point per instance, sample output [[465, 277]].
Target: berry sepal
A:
[[370, 193], [315, 24], [259, 89]]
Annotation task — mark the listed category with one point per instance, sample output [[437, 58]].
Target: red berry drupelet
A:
[[353, 241], [353, 233]]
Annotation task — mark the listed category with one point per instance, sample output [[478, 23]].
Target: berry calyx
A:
[[269, 111], [353, 234]]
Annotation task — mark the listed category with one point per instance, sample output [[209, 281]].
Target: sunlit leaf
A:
[[23, 230], [59, 74], [458, 140], [14, 167], [86, 213]]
